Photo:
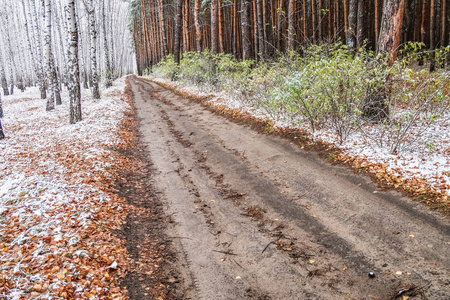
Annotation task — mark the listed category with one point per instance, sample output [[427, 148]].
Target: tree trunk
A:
[[432, 35], [221, 27], [352, 26], [330, 19], [361, 33], [73, 84], [2, 135], [320, 20], [291, 24], [376, 108], [109, 75], [423, 31], [186, 17], [178, 32], [49, 56], [163, 26], [314, 21], [93, 49], [391, 28], [246, 30], [346, 19], [214, 28], [3, 80], [305, 21], [377, 22], [198, 30]]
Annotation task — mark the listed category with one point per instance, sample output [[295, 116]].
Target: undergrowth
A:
[[329, 87]]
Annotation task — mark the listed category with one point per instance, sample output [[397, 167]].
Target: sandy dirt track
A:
[[256, 217]]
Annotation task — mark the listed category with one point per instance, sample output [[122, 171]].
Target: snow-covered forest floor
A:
[[422, 169], [56, 210]]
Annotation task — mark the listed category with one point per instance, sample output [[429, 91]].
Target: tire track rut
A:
[[256, 217]]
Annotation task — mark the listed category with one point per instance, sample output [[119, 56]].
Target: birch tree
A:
[[37, 65], [3, 80], [49, 56], [73, 83], [38, 44], [106, 49], [2, 135], [90, 9]]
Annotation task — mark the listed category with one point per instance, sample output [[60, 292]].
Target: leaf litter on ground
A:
[[57, 212]]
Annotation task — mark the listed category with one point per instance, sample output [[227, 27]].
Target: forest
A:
[[260, 29], [53, 44], [224, 149]]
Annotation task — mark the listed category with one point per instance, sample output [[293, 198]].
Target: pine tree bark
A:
[[291, 25], [178, 32], [221, 27], [377, 22], [261, 36], [361, 32], [214, 28], [314, 21], [330, 19], [432, 35], [346, 19], [73, 69], [352, 23], [376, 108], [198, 31], [246, 30], [391, 28], [163, 26]]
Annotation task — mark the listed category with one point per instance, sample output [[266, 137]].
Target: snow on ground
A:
[[51, 197], [428, 159]]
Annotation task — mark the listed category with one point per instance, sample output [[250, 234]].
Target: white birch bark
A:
[[73, 83], [39, 54], [90, 9], [106, 49], [3, 80], [48, 53], [2, 135], [31, 49], [9, 49]]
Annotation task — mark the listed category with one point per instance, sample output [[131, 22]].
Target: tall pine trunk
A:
[[352, 23], [432, 35], [291, 25], [214, 28], [163, 26], [391, 28], [246, 30], [198, 31], [178, 32]]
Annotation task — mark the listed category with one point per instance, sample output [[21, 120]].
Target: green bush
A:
[[326, 86]]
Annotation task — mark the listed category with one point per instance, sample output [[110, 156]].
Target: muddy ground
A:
[[243, 215]]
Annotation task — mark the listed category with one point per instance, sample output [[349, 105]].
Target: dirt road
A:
[[257, 217]]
